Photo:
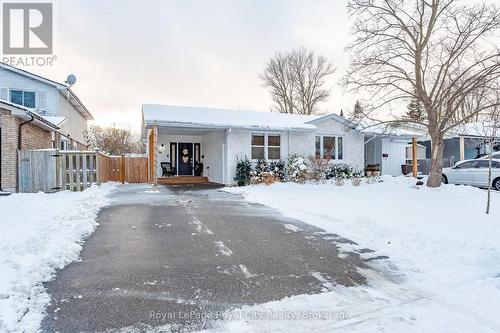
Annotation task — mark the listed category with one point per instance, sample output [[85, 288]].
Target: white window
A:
[[266, 146], [273, 146], [258, 147], [64, 145], [329, 147]]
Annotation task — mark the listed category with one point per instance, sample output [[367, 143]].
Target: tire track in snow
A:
[[246, 272], [223, 248], [198, 225]]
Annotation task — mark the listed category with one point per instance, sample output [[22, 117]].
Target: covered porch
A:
[[186, 155]]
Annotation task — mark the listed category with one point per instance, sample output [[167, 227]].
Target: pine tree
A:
[[358, 110], [415, 110]]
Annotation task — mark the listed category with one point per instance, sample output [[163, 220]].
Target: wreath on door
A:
[[185, 155]]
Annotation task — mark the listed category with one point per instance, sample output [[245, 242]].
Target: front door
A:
[[185, 159]]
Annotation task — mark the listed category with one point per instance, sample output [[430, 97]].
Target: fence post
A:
[[98, 166], [122, 169]]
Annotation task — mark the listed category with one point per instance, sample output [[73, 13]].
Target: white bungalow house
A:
[[179, 137]]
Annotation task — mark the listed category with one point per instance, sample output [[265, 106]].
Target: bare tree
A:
[[486, 132], [296, 81], [493, 132], [432, 52], [115, 141], [279, 79]]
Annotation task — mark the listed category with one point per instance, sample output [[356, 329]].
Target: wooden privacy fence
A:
[[51, 170], [130, 169]]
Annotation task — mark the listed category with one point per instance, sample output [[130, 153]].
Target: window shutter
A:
[[4, 94], [41, 100]]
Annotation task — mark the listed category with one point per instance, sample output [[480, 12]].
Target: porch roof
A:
[[201, 117]]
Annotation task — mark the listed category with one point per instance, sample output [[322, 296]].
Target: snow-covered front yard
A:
[[443, 271], [40, 233]]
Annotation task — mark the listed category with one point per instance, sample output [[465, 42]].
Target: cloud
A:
[[207, 53]]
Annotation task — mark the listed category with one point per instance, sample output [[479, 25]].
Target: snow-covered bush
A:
[[261, 167], [340, 171], [278, 170], [318, 168], [297, 168], [243, 171]]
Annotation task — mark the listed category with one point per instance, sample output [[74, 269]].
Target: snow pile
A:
[[443, 271], [40, 233]]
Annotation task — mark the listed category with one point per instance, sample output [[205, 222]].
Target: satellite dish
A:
[[71, 80]]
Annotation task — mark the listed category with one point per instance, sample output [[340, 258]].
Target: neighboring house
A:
[[390, 148], [36, 113], [468, 141], [186, 135]]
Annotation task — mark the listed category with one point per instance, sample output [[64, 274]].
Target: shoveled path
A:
[[182, 255]]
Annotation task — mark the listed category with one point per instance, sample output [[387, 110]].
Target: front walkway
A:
[[169, 257]]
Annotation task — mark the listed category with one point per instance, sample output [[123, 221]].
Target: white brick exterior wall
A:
[[221, 158], [211, 148], [302, 143]]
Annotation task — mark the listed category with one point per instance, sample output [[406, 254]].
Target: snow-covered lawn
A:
[[40, 233], [443, 271]]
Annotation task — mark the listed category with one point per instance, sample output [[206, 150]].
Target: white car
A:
[[473, 172]]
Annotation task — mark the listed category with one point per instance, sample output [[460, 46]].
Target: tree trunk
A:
[[436, 171]]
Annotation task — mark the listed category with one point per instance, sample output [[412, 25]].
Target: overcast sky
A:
[[187, 52], [200, 53]]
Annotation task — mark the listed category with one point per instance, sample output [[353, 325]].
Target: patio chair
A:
[[166, 169]]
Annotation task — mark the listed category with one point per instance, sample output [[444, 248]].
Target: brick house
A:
[[36, 113]]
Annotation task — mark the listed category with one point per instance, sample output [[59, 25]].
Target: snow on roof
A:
[[31, 112], [477, 129], [57, 120], [388, 130], [172, 115]]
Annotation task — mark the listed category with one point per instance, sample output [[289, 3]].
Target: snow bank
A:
[[39, 234], [444, 268]]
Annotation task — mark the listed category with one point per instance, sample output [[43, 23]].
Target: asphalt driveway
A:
[[182, 255]]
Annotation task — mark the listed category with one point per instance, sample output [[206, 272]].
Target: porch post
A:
[[152, 154], [155, 153], [462, 148], [414, 156]]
